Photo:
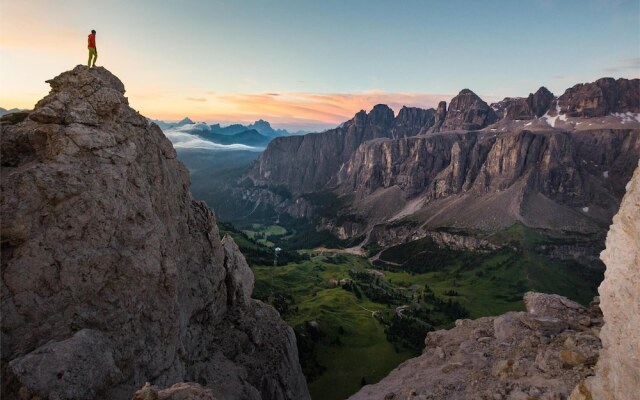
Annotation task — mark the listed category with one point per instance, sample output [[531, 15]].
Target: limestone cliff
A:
[[551, 180], [618, 369], [112, 275]]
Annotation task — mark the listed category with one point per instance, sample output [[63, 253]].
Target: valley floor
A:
[[356, 320]]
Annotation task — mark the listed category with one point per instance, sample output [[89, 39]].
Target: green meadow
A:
[[350, 335]]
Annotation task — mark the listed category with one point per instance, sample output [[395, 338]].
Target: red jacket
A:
[[92, 40]]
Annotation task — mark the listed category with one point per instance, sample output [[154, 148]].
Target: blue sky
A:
[[281, 60]]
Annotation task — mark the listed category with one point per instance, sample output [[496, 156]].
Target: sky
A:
[[313, 64]]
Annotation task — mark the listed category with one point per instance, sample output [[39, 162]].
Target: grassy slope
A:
[[494, 283], [488, 284], [364, 350]]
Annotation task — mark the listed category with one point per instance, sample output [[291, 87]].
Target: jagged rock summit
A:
[[113, 276], [467, 111]]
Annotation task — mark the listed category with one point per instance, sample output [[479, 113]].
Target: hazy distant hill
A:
[[168, 125], [249, 137], [261, 126], [4, 111]]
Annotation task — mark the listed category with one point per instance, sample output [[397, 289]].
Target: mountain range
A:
[[557, 164], [258, 134]]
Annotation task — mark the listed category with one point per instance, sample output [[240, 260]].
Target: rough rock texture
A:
[[439, 117], [386, 236], [518, 108], [467, 112], [104, 249], [179, 391], [410, 118], [602, 97], [538, 354], [542, 179], [540, 101], [309, 163], [618, 369]]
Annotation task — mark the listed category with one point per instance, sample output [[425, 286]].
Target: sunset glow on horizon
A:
[[312, 65]]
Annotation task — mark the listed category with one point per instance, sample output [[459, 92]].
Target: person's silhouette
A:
[[93, 52]]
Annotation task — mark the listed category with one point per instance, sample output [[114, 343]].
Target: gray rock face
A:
[[179, 391], [104, 248], [602, 97], [76, 368], [467, 112], [519, 108], [547, 176], [411, 118], [505, 357], [440, 116], [540, 101], [618, 369]]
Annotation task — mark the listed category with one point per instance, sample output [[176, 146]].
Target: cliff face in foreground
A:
[[112, 275], [618, 369]]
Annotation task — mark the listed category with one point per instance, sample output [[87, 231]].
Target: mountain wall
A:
[[602, 97], [112, 275], [541, 170], [551, 163]]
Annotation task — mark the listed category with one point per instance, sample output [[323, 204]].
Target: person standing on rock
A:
[[93, 52]]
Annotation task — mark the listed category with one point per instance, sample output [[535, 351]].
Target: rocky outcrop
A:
[[617, 372], [412, 119], [540, 101], [387, 236], [112, 275], [311, 162], [602, 97], [467, 112], [440, 116], [179, 391], [520, 108], [538, 354]]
